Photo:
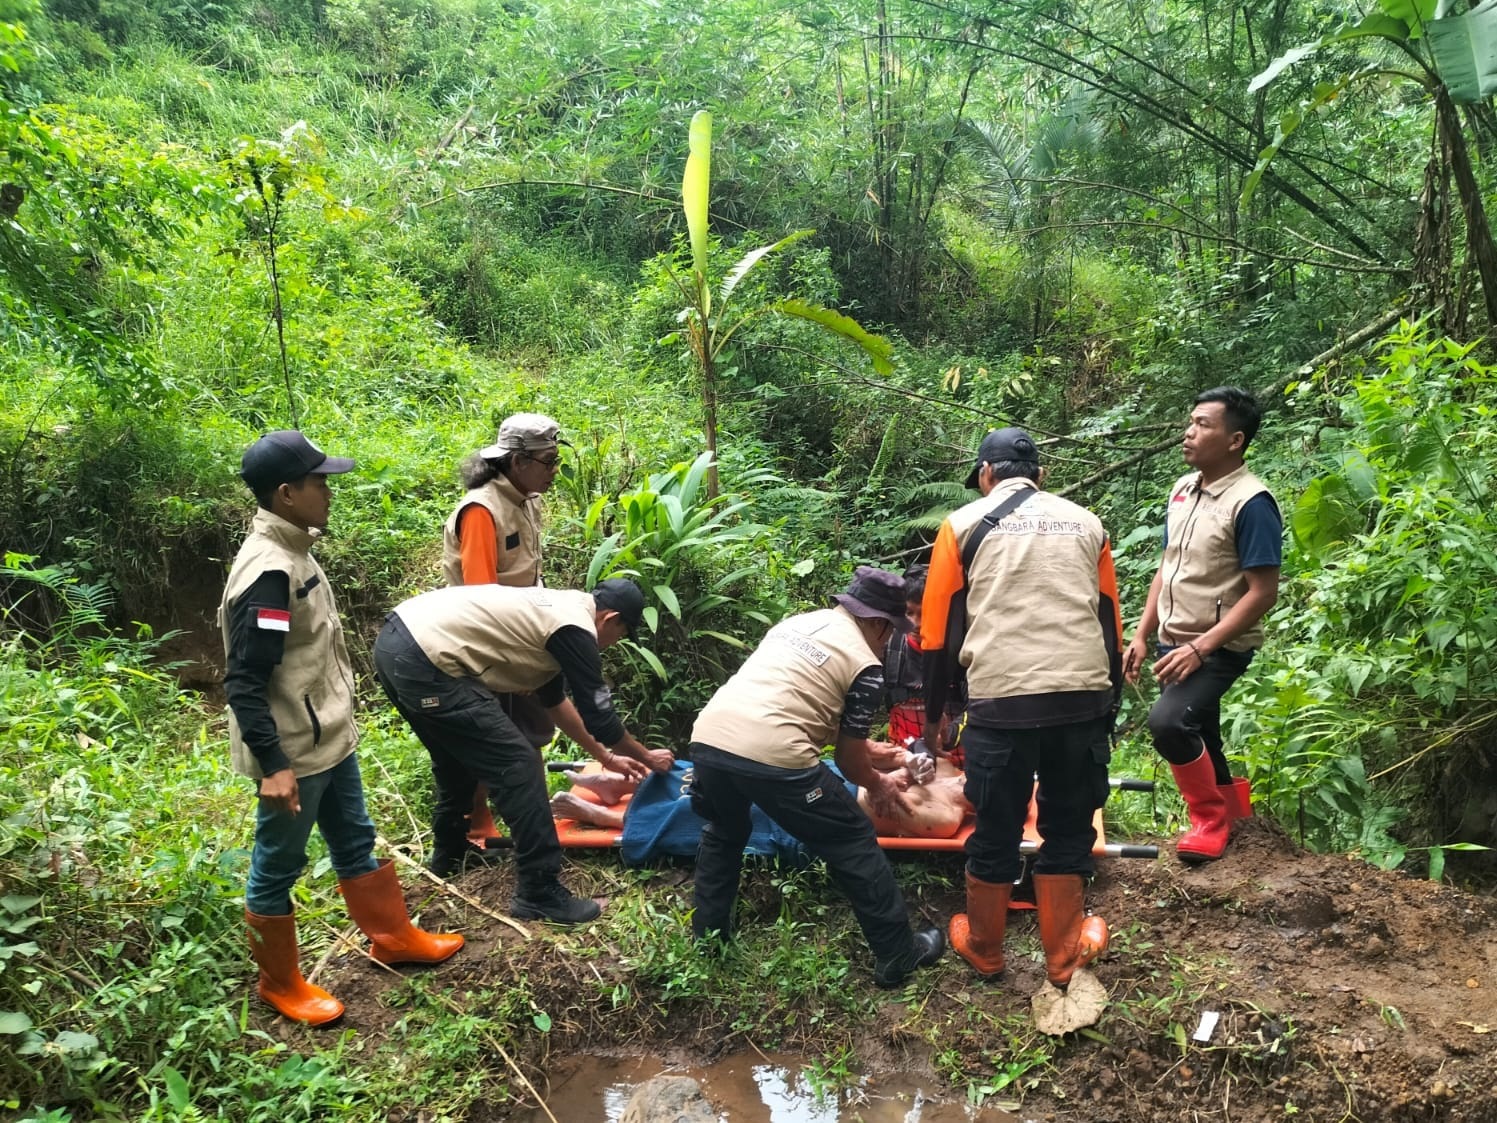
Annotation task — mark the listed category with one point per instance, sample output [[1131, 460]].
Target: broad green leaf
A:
[[732, 641], [1324, 92], [1436, 863], [605, 553], [803, 567], [876, 347], [14, 904], [1413, 14], [695, 188], [651, 616], [1281, 64], [13, 1021], [753, 257], [650, 658], [177, 1093], [667, 597], [1464, 48], [1325, 514]]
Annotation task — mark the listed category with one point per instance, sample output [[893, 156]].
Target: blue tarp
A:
[[660, 822]]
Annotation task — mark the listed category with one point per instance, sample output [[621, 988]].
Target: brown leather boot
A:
[[1071, 938], [1208, 807], [977, 934], [377, 907], [273, 946]]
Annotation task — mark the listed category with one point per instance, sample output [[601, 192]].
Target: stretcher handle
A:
[[1131, 785], [1109, 850], [565, 765]]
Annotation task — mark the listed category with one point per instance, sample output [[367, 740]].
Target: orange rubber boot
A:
[[1209, 809], [1071, 938], [377, 907], [977, 934], [273, 946], [481, 824]]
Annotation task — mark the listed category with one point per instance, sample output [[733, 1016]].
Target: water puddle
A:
[[748, 1088]]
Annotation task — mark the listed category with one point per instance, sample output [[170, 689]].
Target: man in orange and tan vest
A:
[[291, 729], [1218, 578], [815, 679], [493, 537], [1021, 593]]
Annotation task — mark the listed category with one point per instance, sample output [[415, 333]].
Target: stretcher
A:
[[574, 834]]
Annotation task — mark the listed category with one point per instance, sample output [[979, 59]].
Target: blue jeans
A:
[[334, 800]]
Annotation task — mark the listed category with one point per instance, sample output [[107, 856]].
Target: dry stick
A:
[[406, 807], [340, 939], [525, 1080], [447, 887]]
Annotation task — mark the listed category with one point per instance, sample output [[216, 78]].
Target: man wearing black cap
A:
[[815, 679], [450, 659], [291, 729], [1021, 593]]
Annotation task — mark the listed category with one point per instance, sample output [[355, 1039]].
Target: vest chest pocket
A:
[[512, 541]]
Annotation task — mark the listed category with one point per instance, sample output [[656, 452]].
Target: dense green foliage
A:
[[394, 223]]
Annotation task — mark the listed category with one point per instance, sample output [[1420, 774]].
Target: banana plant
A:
[[710, 328]]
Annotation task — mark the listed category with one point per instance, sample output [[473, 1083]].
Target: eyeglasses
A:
[[551, 463]]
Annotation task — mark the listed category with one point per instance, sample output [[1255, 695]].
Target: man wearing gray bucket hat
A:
[[815, 679]]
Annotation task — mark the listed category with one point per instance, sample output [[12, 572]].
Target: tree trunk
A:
[[1480, 247]]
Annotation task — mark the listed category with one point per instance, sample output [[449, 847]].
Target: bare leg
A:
[[609, 787], [565, 805]]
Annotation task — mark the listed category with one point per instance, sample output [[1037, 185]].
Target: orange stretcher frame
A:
[[584, 836]]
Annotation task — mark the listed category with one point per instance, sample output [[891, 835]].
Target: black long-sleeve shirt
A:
[[582, 668], [254, 654]]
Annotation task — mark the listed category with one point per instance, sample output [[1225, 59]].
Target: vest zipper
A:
[[306, 700], [1186, 531]]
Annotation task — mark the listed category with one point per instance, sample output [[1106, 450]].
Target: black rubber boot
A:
[[448, 860], [553, 901], [926, 948]]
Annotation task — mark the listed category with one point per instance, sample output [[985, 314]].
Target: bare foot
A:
[[609, 787], [565, 805]]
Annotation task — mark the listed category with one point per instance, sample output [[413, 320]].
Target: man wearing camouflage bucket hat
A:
[[815, 679]]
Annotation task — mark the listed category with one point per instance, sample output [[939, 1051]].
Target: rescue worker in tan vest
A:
[[452, 659], [1218, 578], [291, 729], [1021, 593], [493, 537], [815, 679]]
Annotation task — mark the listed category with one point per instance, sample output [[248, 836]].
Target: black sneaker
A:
[[445, 861], [929, 945], [554, 903]]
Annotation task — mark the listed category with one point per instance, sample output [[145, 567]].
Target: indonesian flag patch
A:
[[273, 619]]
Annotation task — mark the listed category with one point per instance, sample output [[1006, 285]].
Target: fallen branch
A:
[[1351, 343], [452, 890]]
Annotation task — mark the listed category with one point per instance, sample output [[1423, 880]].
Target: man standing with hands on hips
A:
[[1218, 577]]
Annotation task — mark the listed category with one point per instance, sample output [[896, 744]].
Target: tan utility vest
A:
[[1032, 589], [785, 703], [1201, 574], [311, 691], [517, 526], [496, 633]]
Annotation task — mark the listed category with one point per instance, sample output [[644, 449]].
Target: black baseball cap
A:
[[619, 594], [284, 457], [1004, 444], [876, 593]]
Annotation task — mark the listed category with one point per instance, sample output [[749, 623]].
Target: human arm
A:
[[854, 752], [258, 620], [478, 545], [1262, 591], [569, 721], [942, 624], [576, 652], [1148, 624]]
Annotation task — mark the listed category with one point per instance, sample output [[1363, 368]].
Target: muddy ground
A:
[[1345, 993]]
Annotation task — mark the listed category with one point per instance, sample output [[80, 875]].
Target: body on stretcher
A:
[[577, 834]]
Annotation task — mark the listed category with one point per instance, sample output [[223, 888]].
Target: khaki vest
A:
[[311, 691], [785, 703], [517, 526], [1201, 575], [496, 633], [1032, 589]]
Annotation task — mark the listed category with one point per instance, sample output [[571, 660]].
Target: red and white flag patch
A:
[[273, 619]]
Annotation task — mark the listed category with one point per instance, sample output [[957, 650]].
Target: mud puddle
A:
[[745, 1088]]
